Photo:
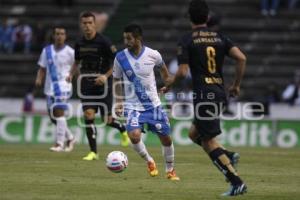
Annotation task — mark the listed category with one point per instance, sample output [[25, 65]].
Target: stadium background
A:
[[271, 44]]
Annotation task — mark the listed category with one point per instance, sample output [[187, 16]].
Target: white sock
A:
[[140, 148], [69, 134], [61, 126], [168, 152]]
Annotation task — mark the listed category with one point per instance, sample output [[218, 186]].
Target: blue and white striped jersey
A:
[[58, 65], [139, 79]]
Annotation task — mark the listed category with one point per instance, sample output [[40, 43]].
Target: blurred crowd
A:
[[270, 7], [14, 36], [19, 36]]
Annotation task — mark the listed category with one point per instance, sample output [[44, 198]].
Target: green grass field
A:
[[32, 172]]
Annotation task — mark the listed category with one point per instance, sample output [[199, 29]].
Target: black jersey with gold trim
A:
[[204, 51]]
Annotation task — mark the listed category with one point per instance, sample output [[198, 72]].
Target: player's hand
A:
[[234, 91], [119, 109], [38, 82], [164, 90], [69, 79], [101, 80], [169, 81]]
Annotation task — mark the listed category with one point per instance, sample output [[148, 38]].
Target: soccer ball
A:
[[116, 161]]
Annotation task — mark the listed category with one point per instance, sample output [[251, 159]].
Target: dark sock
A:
[[143, 130], [53, 120], [222, 162], [91, 133], [118, 125], [229, 154]]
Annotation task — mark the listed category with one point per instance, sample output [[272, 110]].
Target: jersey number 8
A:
[[211, 61]]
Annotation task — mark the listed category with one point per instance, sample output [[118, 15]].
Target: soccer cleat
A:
[[70, 145], [236, 190], [172, 176], [91, 156], [57, 148], [124, 139], [152, 168]]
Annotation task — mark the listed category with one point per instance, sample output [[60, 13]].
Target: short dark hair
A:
[[58, 27], [135, 29], [198, 11], [87, 14]]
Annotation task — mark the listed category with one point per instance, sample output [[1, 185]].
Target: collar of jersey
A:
[[138, 56], [58, 50]]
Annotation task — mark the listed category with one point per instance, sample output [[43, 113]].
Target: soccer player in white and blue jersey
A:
[[55, 63], [135, 65]]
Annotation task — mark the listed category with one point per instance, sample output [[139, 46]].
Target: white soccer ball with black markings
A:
[[116, 161]]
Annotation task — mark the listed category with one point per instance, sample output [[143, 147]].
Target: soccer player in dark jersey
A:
[[95, 53], [203, 51]]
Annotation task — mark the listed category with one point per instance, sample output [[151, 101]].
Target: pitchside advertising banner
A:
[[238, 133]]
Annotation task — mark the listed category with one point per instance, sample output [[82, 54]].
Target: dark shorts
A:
[[207, 121], [96, 98]]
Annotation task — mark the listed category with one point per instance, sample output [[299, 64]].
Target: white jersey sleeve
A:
[[72, 56], [43, 59], [117, 71], [158, 59]]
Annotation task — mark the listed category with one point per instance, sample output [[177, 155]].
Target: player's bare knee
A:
[[193, 135], [134, 140], [89, 115], [58, 112], [205, 145], [209, 144], [135, 136], [206, 142], [166, 140]]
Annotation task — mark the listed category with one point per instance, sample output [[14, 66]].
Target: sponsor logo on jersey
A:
[[137, 65], [86, 49], [129, 73]]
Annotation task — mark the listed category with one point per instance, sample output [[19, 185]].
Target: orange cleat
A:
[[172, 176], [152, 168]]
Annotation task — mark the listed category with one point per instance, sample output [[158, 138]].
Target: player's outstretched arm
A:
[[180, 74], [167, 78], [241, 59], [118, 95], [40, 76]]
